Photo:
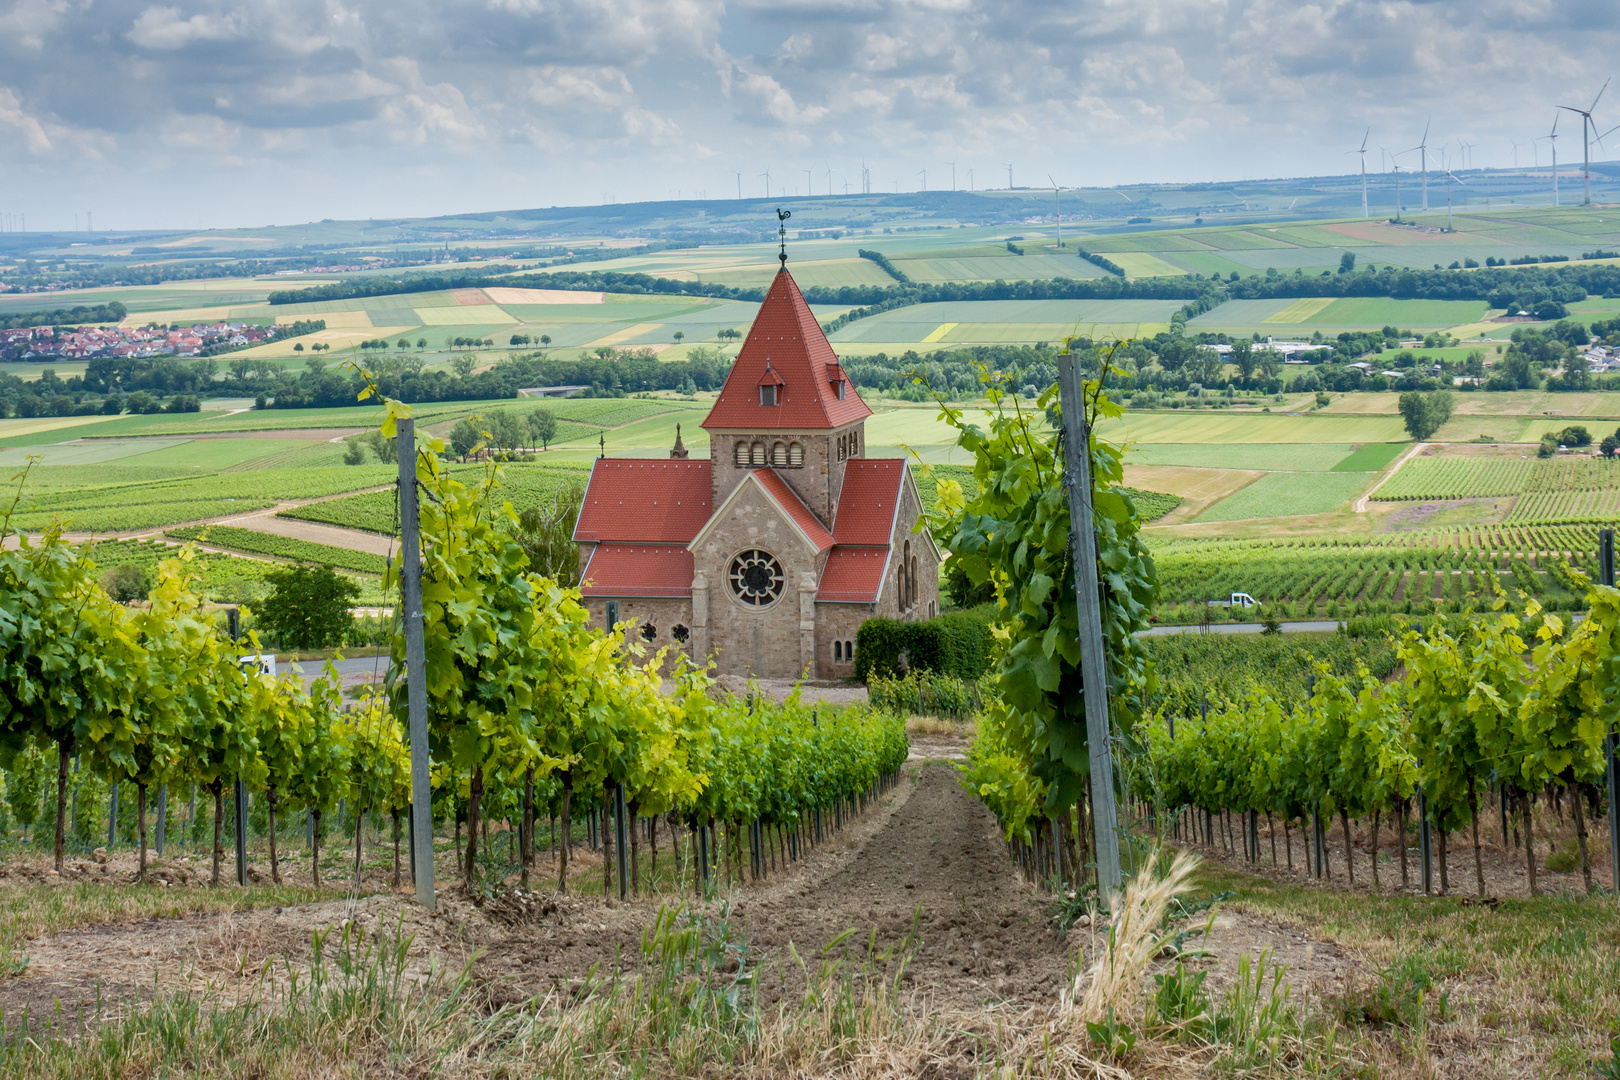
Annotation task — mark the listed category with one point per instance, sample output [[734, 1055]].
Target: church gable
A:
[[763, 507]]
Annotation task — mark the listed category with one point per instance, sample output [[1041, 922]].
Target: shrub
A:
[[956, 643]]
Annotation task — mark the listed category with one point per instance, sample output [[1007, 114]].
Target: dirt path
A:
[[1360, 505]]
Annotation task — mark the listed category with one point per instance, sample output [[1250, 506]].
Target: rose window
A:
[[756, 578]]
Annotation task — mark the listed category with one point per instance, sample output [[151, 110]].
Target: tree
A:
[[1243, 358], [545, 339], [308, 606], [127, 583], [680, 335], [1347, 263], [1608, 446], [1424, 414], [354, 451], [463, 365], [543, 427], [465, 437], [547, 535], [298, 347], [507, 429], [421, 343]]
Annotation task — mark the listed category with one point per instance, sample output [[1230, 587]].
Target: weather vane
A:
[[781, 233]]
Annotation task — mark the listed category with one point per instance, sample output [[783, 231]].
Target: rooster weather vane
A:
[[781, 233]]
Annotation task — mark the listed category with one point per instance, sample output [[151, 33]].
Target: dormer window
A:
[[767, 395], [841, 388]]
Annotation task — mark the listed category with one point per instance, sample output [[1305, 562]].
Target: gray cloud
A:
[[237, 112]]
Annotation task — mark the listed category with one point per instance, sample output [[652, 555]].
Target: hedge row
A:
[[956, 643]]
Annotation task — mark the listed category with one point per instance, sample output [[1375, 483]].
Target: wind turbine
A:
[[739, 185], [767, 177], [807, 184], [1423, 149], [1588, 128], [1008, 166], [970, 179], [1552, 141], [1449, 179], [924, 174], [1516, 145], [1363, 153], [827, 163], [1059, 211], [952, 164]]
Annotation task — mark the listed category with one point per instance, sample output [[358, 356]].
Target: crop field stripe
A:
[[939, 331], [1300, 310]]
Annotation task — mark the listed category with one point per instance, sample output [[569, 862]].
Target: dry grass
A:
[[1137, 933], [937, 726]]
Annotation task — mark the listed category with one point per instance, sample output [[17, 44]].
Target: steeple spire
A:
[[781, 233], [679, 449]]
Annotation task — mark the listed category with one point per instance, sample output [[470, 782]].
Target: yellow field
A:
[[939, 331], [29, 426], [335, 320], [338, 339], [626, 334], [464, 315], [1300, 310], [183, 315], [541, 296], [1140, 264]]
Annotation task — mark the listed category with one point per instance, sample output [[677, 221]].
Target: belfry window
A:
[[759, 453], [779, 455], [740, 454], [795, 454]]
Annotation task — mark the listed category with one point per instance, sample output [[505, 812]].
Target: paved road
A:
[[356, 670], [1241, 628]]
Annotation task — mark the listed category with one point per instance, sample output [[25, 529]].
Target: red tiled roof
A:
[[853, 575], [786, 335], [868, 499], [650, 500], [638, 570], [794, 507]]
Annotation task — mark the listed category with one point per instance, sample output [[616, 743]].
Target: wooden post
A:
[[239, 789], [621, 840], [1425, 841], [415, 664], [1093, 663], [1606, 567]]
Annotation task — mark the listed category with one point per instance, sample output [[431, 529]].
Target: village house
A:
[[767, 556]]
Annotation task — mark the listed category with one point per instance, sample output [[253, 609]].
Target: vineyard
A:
[[1406, 573], [284, 547], [1480, 716], [525, 484], [1556, 490], [132, 506]]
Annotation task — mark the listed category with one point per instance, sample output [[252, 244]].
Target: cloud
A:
[[165, 28], [197, 98]]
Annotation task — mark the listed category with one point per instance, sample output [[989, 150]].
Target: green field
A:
[[1006, 320], [1348, 313], [1226, 426], [524, 485], [1282, 494], [1281, 457]]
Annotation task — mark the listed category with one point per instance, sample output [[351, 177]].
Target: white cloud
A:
[[165, 28]]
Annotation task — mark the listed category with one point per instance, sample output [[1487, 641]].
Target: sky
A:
[[202, 114]]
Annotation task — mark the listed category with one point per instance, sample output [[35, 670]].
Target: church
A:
[[767, 557]]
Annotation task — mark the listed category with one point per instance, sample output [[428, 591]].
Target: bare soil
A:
[[925, 868], [1505, 873]]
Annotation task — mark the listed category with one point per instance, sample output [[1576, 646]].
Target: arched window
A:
[[740, 454], [854, 444], [841, 445], [838, 650], [916, 594], [759, 453], [849, 650], [907, 568], [795, 455], [779, 455]]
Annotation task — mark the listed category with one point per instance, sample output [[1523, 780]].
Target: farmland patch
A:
[[1287, 495]]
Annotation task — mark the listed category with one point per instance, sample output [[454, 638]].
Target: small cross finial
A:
[[603, 444], [781, 233]]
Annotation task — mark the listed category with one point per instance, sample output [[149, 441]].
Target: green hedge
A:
[[956, 643]]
